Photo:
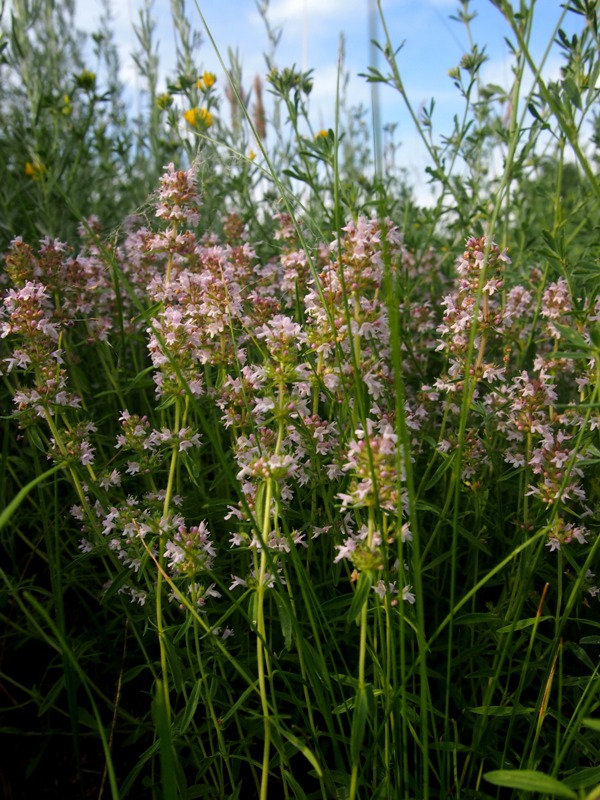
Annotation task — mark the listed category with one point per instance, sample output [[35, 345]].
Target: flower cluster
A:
[[178, 198], [27, 321], [190, 550], [541, 440], [347, 325], [473, 312], [291, 357], [372, 462], [150, 446]]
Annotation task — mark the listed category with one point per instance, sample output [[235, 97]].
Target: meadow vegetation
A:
[[299, 478]]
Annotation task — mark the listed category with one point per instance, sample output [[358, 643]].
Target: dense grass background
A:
[[299, 479]]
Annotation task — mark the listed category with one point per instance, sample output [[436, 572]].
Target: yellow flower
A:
[[206, 81], [322, 134], [209, 78], [192, 116], [207, 117], [251, 155], [198, 115], [35, 169]]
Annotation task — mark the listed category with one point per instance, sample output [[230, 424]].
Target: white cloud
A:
[[296, 10], [500, 72], [323, 95]]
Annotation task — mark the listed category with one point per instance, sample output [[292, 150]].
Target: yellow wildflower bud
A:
[[206, 81], [67, 108], [164, 101], [209, 79], [86, 80], [35, 169], [251, 155], [322, 134]]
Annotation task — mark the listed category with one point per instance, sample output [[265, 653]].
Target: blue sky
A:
[[433, 43]]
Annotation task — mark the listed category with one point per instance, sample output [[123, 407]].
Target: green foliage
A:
[[299, 490]]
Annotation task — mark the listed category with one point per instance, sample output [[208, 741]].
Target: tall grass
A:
[[299, 479]]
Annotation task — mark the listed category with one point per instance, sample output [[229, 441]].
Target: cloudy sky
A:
[[433, 44]]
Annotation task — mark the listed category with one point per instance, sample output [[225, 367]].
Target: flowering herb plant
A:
[[306, 501]]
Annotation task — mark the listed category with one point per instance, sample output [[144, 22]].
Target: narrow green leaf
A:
[[571, 336], [238, 704], [592, 724], [114, 586], [167, 754], [589, 776], [530, 780], [594, 794], [581, 655], [285, 620], [551, 243], [252, 609], [175, 664], [477, 618], [359, 724], [522, 624], [361, 594], [299, 176], [302, 748], [572, 92], [299, 793], [440, 471], [534, 112], [20, 496], [501, 711], [494, 88], [190, 708]]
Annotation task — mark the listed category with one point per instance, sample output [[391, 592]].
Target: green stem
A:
[[163, 685], [261, 653]]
